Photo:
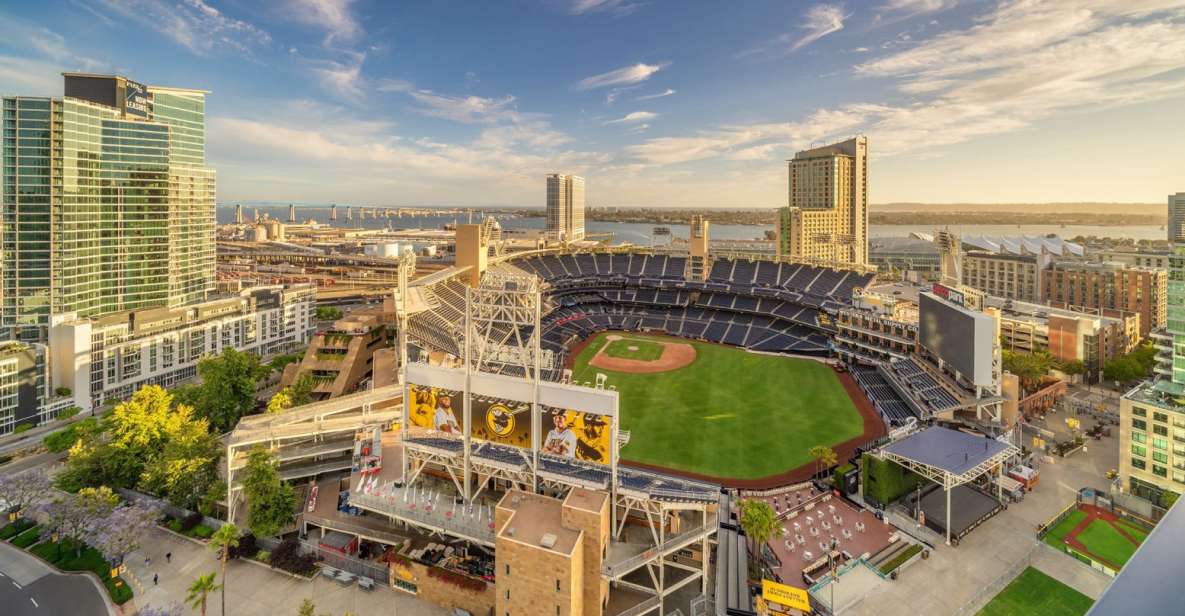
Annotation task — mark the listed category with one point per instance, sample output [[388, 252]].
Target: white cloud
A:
[[342, 78], [909, 8], [335, 17], [45, 44], [619, 8], [193, 24], [30, 77], [736, 142], [819, 21], [634, 117], [357, 159], [1012, 68], [624, 76], [664, 93]]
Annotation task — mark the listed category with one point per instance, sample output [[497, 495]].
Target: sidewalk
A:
[[254, 589]]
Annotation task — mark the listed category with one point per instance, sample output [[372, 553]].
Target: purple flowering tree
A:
[[19, 491], [74, 516], [120, 531]]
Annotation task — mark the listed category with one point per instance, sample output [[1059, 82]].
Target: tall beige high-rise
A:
[[565, 207], [827, 215]]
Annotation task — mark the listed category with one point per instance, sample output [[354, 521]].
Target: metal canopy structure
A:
[[950, 458]]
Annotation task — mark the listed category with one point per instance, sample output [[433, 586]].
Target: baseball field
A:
[[719, 411]]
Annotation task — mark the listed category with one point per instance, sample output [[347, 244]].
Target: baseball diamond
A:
[[723, 412]]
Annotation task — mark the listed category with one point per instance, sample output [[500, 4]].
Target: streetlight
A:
[[832, 566]]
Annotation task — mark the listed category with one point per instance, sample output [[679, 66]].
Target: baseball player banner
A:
[[504, 422], [435, 408], [573, 434]]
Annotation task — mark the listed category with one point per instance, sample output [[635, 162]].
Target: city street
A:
[[29, 587], [253, 589]]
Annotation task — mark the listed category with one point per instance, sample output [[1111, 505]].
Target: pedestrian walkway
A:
[[255, 590]]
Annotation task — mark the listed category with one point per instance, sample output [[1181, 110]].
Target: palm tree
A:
[[224, 539], [824, 457], [760, 523], [201, 587]]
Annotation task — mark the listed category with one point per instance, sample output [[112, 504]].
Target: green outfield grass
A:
[[1033, 593], [633, 348], [1057, 536], [730, 413]]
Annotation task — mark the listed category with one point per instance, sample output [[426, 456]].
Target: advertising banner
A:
[[577, 435], [136, 99], [504, 422], [435, 408]]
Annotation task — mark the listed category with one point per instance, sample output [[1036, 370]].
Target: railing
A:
[[378, 572], [678, 542], [641, 608], [477, 526]]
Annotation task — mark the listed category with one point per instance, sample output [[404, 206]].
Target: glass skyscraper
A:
[[108, 204]]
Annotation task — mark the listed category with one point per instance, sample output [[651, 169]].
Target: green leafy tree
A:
[[223, 541], [1074, 367], [199, 590], [307, 608], [760, 523], [185, 467], [270, 501], [227, 390], [297, 394], [301, 390], [824, 457]]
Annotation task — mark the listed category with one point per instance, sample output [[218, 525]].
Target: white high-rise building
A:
[[565, 207], [1176, 226]]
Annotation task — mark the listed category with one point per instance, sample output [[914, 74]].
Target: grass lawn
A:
[[89, 560], [1036, 594], [1137, 532], [1057, 536], [729, 413], [1102, 540], [634, 348]]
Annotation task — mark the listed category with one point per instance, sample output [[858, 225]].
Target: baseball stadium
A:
[[723, 374]]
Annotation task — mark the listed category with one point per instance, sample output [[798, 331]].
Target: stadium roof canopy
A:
[[1023, 244], [949, 457]]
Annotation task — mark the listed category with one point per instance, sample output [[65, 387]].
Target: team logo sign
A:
[[500, 420]]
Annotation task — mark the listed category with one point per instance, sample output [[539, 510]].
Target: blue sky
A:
[[655, 102]]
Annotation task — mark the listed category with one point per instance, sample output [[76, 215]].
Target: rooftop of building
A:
[[998, 256], [903, 290], [586, 500], [537, 521], [1161, 393], [1103, 266], [1026, 311], [149, 86], [912, 245]]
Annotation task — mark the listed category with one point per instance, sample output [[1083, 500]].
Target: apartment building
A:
[[1109, 289]]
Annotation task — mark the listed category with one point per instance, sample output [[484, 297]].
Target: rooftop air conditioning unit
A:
[[547, 541]]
